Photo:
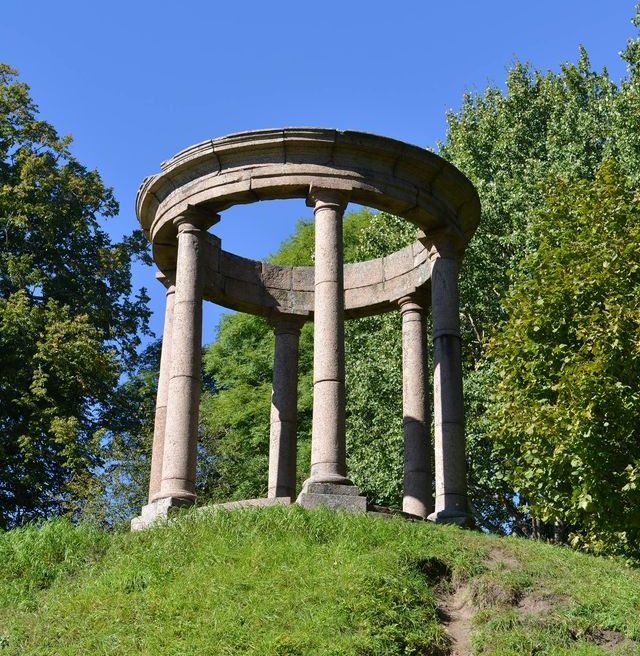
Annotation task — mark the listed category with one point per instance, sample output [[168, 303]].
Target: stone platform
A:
[[346, 498], [332, 496], [161, 510]]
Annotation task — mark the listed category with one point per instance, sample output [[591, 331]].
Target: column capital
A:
[[446, 242], [195, 219], [168, 280], [322, 198], [286, 324], [411, 303]]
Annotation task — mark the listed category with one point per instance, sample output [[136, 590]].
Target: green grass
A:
[[287, 582]]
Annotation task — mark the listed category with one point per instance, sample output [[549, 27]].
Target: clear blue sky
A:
[[134, 82]]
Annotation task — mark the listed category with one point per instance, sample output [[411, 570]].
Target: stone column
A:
[[417, 493], [163, 389], [181, 433], [451, 504], [284, 410], [328, 459]]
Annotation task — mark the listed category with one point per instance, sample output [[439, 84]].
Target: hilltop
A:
[[288, 582]]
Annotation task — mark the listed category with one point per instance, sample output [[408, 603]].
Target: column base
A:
[[158, 511], [457, 517], [416, 507], [332, 479], [333, 496], [281, 493]]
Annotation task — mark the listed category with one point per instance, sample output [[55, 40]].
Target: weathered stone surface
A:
[[417, 484], [394, 287], [261, 288], [157, 512], [382, 173], [334, 497], [303, 279], [248, 503], [363, 274], [451, 503], [398, 263], [284, 408], [246, 292], [276, 276], [162, 392], [241, 268], [179, 456], [328, 458], [331, 488]]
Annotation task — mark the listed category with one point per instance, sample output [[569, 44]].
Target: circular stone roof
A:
[[246, 167]]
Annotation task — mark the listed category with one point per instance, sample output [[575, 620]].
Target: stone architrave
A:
[[163, 389], [284, 411], [181, 432], [451, 503], [417, 496]]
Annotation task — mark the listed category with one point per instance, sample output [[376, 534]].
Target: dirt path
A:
[[457, 610]]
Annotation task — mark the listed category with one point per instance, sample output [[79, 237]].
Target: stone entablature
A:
[[328, 168], [261, 288], [247, 167]]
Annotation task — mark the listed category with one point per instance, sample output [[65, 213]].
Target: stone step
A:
[[346, 502]]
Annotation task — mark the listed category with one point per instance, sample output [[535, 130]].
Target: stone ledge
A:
[[249, 503], [346, 502], [331, 488], [161, 510]]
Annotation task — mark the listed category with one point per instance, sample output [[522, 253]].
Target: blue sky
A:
[[134, 82]]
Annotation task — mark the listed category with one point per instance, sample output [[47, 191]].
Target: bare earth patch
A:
[[611, 640], [536, 604], [498, 557], [456, 611], [457, 607]]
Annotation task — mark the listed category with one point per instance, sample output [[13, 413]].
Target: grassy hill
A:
[[287, 582]]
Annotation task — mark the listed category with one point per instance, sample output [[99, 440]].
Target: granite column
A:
[[417, 496], [451, 503], [181, 433], [328, 457], [163, 389], [284, 411]]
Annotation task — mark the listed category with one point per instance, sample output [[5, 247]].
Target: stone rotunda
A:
[[328, 168]]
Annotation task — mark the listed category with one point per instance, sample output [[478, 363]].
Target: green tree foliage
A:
[[69, 322], [509, 144], [566, 411], [515, 146]]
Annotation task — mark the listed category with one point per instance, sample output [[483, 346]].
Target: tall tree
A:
[[69, 320], [565, 413], [513, 145]]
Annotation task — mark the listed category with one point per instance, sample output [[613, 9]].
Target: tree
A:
[[70, 323], [512, 145], [565, 414]]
